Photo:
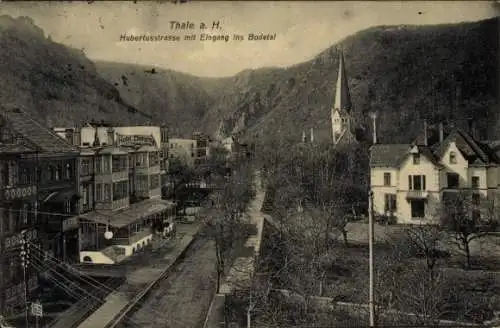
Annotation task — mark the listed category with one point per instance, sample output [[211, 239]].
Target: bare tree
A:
[[407, 291], [468, 217], [224, 215], [420, 241]]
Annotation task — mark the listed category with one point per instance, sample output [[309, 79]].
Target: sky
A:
[[303, 29]]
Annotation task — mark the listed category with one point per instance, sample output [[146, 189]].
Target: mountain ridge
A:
[[56, 84]]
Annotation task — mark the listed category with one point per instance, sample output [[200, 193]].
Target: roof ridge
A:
[[474, 145], [7, 110], [21, 112]]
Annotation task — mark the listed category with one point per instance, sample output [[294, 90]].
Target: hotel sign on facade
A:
[[133, 140]]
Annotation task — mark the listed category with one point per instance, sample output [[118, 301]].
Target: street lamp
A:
[[108, 234]]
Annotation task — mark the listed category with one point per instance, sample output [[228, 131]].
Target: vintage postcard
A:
[[206, 164]]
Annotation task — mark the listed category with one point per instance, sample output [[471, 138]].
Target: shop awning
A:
[[127, 216]]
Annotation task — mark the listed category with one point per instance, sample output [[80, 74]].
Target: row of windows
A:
[[452, 158], [13, 174], [417, 182], [119, 163], [120, 190], [417, 206], [86, 166], [337, 120], [154, 159]]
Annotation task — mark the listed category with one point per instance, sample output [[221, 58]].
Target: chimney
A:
[[472, 129], [111, 135], [97, 141], [373, 115], [470, 126], [441, 132], [426, 137], [68, 135], [312, 135], [76, 136]]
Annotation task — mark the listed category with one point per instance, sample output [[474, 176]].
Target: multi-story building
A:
[[411, 180], [38, 195], [120, 184], [183, 149], [202, 151]]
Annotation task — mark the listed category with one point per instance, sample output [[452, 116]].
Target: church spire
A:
[[342, 120], [342, 94]]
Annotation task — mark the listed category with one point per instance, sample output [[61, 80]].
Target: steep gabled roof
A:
[[393, 155], [473, 151], [388, 155], [40, 136], [494, 147], [347, 137], [15, 149]]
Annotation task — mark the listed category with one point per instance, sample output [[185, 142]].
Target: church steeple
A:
[[342, 107], [342, 94]]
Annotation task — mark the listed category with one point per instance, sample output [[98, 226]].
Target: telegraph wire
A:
[[59, 284], [72, 285], [65, 266], [40, 268], [68, 268]]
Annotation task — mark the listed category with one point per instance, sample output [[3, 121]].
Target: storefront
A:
[[130, 229]]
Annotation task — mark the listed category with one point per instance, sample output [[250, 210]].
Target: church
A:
[[343, 122], [345, 130]]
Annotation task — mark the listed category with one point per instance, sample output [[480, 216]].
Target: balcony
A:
[[120, 176], [417, 194], [18, 192], [112, 205], [111, 177], [148, 170]]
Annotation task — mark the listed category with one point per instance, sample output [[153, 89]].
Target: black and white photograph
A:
[[249, 164]]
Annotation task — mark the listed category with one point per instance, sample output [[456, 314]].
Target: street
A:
[[183, 299]]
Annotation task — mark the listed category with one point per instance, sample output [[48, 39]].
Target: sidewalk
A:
[[241, 272], [141, 277]]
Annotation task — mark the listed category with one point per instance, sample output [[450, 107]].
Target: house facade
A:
[[120, 180], [38, 196], [410, 181], [183, 149]]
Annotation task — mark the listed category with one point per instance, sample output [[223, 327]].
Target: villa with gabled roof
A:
[[410, 180]]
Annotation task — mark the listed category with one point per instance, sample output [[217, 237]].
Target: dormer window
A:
[[416, 159], [453, 158]]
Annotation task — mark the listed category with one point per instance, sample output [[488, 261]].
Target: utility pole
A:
[[370, 261], [373, 116], [24, 264]]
